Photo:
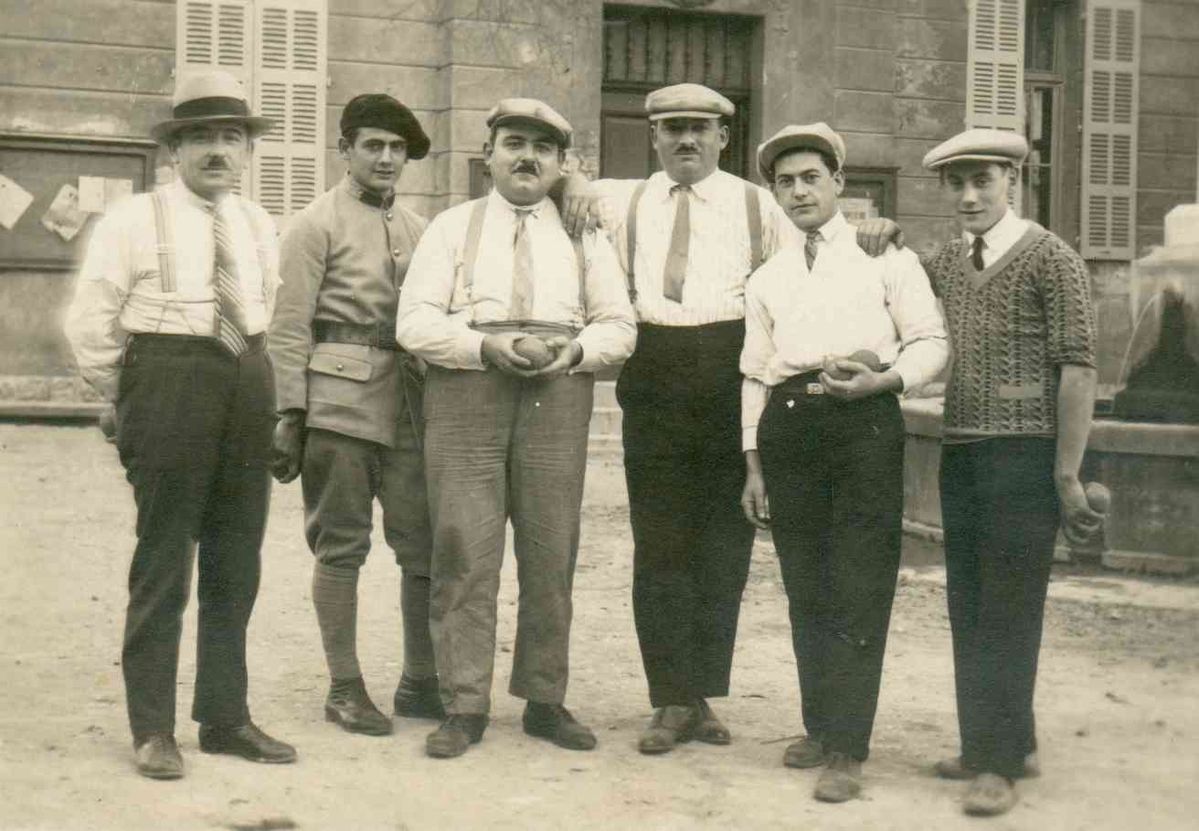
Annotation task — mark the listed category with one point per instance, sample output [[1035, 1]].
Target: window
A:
[[277, 49], [648, 48]]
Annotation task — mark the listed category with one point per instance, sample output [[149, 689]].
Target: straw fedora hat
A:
[[207, 96]]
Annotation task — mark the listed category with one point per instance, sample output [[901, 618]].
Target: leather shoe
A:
[[808, 752], [989, 795], [418, 698], [457, 733], [671, 725], [841, 779], [955, 769], [554, 722], [158, 757], [349, 706], [709, 728], [246, 741]]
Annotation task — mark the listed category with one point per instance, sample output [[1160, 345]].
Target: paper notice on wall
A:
[[115, 190], [63, 216], [857, 208], [14, 199], [91, 194]]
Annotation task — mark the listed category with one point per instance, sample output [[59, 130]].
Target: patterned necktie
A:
[[976, 254], [809, 248], [680, 241], [230, 309], [521, 307]]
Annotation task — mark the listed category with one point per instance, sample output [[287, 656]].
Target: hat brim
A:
[[255, 125], [776, 147], [686, 114], [974, 157], [563, 138]]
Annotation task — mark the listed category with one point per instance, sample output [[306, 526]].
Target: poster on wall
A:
[[14, 199]]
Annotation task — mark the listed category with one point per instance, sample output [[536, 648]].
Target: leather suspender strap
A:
[[166, 260], [631, 231], [753, 217]]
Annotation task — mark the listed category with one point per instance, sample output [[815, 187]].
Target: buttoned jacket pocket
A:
[[340, 366]]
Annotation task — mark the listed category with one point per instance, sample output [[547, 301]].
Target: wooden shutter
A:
[[289, 87], [1109, 141], [995, 70]]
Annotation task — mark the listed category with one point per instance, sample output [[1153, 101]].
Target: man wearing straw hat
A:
[[168, 323], [513, 318]]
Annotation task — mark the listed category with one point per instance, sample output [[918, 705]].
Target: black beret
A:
[[379, 110]]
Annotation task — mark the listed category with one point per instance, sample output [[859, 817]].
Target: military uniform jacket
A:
[[342, 260]]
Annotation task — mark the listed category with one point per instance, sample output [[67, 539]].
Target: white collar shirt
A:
[[998, 238]]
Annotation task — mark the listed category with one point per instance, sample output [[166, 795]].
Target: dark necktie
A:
[[810, 249], [976, 254], [680, 242], [521, 306], [230, 308]]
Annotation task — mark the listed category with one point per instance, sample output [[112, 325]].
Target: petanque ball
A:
[[534, 349], [870, 359]]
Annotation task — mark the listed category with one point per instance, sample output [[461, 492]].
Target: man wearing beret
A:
[[513, 318], [1017, 414], [349, 403], [168, 323], [832, 338]]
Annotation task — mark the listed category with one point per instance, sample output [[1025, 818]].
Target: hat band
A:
[[215, 106]]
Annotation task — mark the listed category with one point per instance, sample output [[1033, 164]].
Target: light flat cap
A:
[[530, 109], [980, 144], [818, 136], [687, 101]]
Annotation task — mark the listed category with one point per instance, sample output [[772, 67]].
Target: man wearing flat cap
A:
[[1017, 413], [513, 319], [168, 322], [832, 338], [349, 403]]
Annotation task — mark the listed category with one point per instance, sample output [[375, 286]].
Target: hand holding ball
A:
[[535, 350]]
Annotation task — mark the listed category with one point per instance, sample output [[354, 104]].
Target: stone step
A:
[[605, 394]]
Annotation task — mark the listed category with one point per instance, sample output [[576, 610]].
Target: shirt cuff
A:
[[749, 438], [469, 348], [592, 359]]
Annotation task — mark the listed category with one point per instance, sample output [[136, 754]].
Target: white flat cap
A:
[[980, 144], [818, 136], [530, 109], [687, 101]]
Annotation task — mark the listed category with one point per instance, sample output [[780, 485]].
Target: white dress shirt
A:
[[436, 311], [120, 292], [719, 250], [998, 238], [848, 301]]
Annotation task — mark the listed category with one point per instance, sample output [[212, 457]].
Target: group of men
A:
[[447, 372]]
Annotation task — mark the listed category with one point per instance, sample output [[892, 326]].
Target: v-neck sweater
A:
[[1011, 326]]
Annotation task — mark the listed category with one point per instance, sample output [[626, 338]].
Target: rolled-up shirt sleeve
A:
[[755, 354], [424, 323], [92, 324], [923, 344], [610, 333]]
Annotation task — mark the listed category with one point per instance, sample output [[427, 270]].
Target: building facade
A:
[[1107, 92]]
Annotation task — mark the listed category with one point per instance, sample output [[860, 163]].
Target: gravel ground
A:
[[1116, 699]]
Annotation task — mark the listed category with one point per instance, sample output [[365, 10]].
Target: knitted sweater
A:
[[1011, 326]]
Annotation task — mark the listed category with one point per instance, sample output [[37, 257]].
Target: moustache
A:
[[216, 164], [686, 151], [526, 167]]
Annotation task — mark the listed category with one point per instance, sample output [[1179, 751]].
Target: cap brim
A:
[[563, 138], [973, 157], [685, 114], [774, 148], [255, 125]]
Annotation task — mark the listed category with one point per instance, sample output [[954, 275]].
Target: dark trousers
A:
[[194, 436], [680, 392], [834, 478], [500, 447], [999, 509]]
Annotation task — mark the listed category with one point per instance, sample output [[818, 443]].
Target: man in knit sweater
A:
[[1018, 409]]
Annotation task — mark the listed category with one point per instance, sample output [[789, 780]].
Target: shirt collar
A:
[[182, 192], [534, 210], [1001, 235], [834, 226], [704, 189], [368, 197]]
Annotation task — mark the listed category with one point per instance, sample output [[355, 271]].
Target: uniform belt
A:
[[378, 335], [179, 344]]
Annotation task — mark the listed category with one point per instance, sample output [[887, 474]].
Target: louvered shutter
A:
[[289, 85], [216, 33], [995, 69], [1109, 149]]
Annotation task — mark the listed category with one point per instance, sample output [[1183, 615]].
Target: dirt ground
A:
[[1116, 704]]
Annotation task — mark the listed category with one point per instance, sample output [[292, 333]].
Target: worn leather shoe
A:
[[671, 725], [455, 735], [158, 757], [955, 769], [841, 779], [349, 706], [709, 728], [808, 752], [554, 722], [418, 698], [989, 796], [246, 741]]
